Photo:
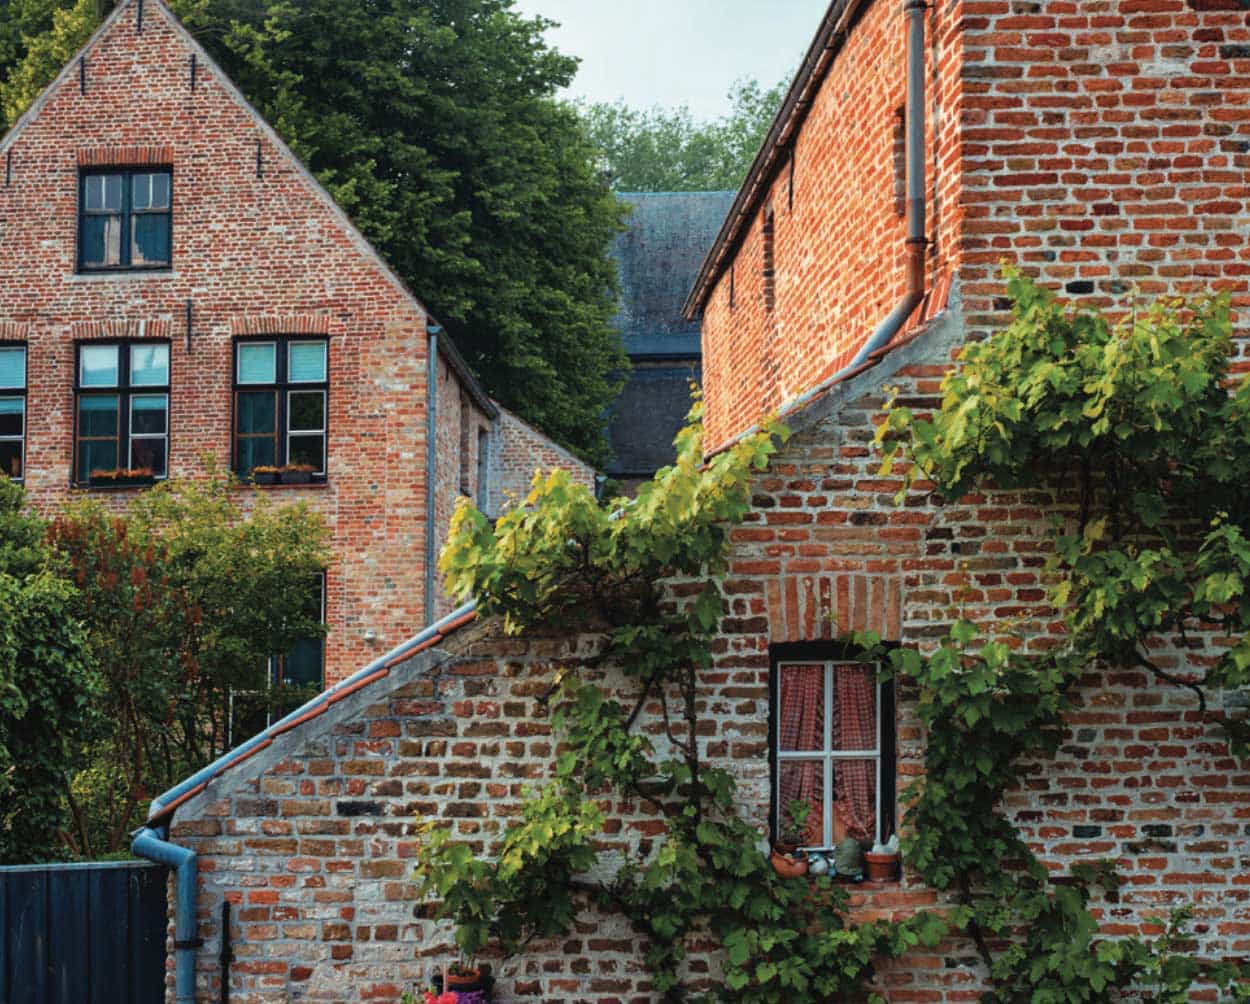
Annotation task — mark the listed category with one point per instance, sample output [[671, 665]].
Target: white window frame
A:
[[826, 755]]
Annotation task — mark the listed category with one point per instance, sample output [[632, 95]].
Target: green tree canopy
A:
[[668, 150], [46, 683], [434, 123]]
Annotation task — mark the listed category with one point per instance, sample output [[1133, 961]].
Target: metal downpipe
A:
[[431, 469], [152, 845], [917, 241]]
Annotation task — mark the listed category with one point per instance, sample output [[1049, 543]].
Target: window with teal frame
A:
[[281, 404], [12, 411]]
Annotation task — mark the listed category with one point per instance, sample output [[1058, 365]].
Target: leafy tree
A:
[[434, 124], [46, 685], [185, 601], [663, 150]]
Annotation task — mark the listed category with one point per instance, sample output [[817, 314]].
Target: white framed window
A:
[[833, 749]]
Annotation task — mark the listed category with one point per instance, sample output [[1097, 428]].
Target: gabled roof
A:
[[773, 155], [163, 807], [133, 9]]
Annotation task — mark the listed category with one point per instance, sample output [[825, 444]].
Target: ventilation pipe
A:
[[914, 12]]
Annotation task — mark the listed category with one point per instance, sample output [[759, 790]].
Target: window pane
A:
[[308, 411], [151, 191], [307, 362], [854, 707], [258, 413], [801, 720], [12, 416], [104, 191], [149, 415], [255, 453], [98, 366], [149, 365], [150, 239], [11, 459], [97, 416], [802, 781], [302, 668], [12, 367], [102, 241], [98, 455], [257, 362], [855, 799], [308, 450], [149, 453]]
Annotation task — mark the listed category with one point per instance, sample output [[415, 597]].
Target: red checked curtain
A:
[[802, 727], [855, 728]]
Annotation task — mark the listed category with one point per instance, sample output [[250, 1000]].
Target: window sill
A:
[[116, 486], [279, 486], [122, 274]]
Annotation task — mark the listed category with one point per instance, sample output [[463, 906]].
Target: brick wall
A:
[[253, 252], [520, 451], [1105, 148], [839, 253]]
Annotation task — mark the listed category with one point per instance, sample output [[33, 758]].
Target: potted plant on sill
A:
[[296, 474], [265, 475], [122, 478], [881, 862], [785, 858]]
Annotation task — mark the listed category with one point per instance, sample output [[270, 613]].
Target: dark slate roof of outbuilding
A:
[[668, 236], [649, 413]]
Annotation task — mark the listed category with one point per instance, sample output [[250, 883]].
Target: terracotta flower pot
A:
[[786, 866], [471, 980], [881, 867]]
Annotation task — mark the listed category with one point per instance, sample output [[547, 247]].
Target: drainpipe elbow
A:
[[153, 845]]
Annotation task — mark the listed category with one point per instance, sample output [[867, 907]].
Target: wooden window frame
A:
[[18, 394], [127, 213], [830, 654], [125, 391], [282, 387]]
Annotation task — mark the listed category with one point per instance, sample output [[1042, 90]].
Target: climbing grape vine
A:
[[1137, 429]]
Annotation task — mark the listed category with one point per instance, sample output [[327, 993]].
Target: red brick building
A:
[[176, 288], [1102, 144]]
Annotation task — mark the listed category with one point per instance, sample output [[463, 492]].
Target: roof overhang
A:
[[774, 154]]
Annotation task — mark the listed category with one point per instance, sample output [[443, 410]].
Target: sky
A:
[[673, 52]]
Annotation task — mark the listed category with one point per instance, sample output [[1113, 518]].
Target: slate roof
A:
[[647, 415], [659, 257]]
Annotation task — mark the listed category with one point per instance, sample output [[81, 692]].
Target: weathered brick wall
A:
[[519, 451], [1105, 148], [252, 253], [838, 233], [314, 839]]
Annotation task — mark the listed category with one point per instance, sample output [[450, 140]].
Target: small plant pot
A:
[[464, 982], [268, 478], [881, 867], [787, 866], [297, 477]]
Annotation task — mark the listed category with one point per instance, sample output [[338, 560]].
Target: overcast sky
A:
[[672, 52]]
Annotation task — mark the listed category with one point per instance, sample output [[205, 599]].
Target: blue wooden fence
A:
[[83, 934]]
